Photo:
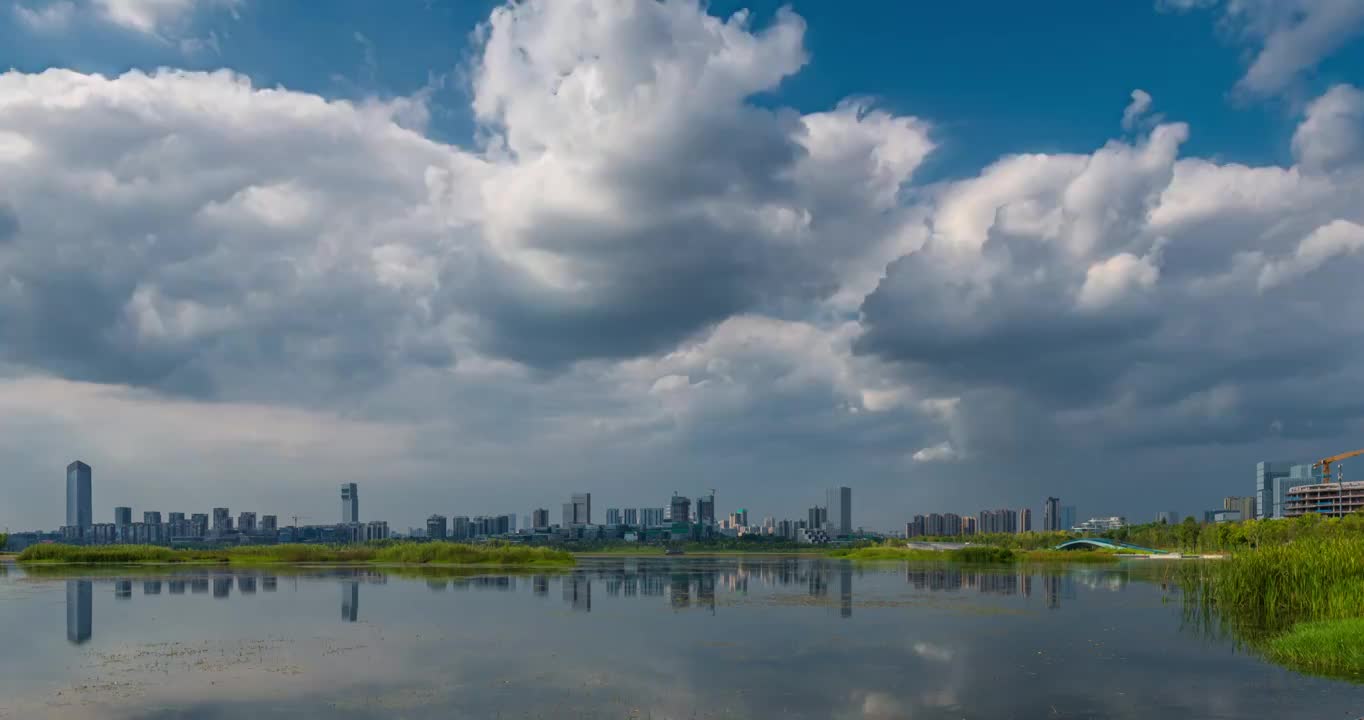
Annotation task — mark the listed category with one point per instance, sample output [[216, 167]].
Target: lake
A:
[[688, 637]]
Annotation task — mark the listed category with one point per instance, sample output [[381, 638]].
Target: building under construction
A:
[[1330, 499]]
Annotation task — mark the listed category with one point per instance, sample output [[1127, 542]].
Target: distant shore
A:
[[392, 553]]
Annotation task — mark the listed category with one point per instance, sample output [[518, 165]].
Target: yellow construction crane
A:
[[1325, 463]]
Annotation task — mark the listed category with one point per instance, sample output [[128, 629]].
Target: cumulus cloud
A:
[[935, 453], [1289, 37], [1126, 291], [1131, 115], [45, 18], [151, 17], [647, 265], [1332, 134]]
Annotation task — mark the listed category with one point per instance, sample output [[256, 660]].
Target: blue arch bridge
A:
[[1103, 544]]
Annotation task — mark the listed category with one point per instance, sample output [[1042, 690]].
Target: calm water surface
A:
[[625, 638]]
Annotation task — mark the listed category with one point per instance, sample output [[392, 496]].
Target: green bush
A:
[[981, 554]]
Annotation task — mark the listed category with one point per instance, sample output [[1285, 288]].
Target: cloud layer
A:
[[646, 271]]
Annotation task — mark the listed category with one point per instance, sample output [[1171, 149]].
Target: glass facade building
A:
[[350, 503], [78, 513], [1266, 473]]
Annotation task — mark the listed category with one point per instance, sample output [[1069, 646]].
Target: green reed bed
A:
[[969, 554], [1300, 604], [393, 553], [1071, 556]]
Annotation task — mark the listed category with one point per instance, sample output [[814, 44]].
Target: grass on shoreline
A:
[[1300, 604], [394, 553], [1325, 647], [974, 554]]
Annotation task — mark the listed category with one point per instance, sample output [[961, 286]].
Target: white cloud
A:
[[1141, 103], [941, 452], [1290, 37], [1107, 281], [53, 16], [151, 16], [1335, 239], [1332, 134]]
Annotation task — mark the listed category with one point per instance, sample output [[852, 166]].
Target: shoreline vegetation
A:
[[977, 554], [391, 553], [1300, 605]]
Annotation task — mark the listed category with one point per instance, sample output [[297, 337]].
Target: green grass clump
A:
[[459, 554], [57, 553], [1070, 556], [885, 552], [1325, 647], [982, 554], [399, 552], [1300, 604], [1311, 579]]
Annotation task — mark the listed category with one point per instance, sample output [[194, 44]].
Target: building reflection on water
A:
[[80, 603], [682, 584]]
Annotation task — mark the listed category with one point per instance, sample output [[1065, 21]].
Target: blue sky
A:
[[994, 77], [476, 256]]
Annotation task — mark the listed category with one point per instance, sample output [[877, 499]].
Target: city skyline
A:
[[1279, 479], [808, 266]]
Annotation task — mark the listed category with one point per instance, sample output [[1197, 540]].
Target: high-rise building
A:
[[1265, 474], [350, 503], [436, 529], [839, 505], [269, 523], [1067, 517], [78, 513], [222, 521], [681, 509], [968, 525], [612, 516], [631, 517], [651, 517], [198, 525], [1246, 505], [1169, 518], [1025, 520], [935, 525], [246, 522], [1051, 514], [705, 509], [951, 524], [123, 516], [998, 521], [816, 517], [461, 528], [151, 517], [1298, 475], [374, 529], [578, 510], [539, 519], [916, 527]]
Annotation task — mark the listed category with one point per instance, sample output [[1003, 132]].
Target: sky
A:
[[478, 256]]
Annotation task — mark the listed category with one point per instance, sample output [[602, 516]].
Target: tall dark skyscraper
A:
[[350, 503], [839, 504], [123, 516], [78, 496], [705, 509], [1051, 514]]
